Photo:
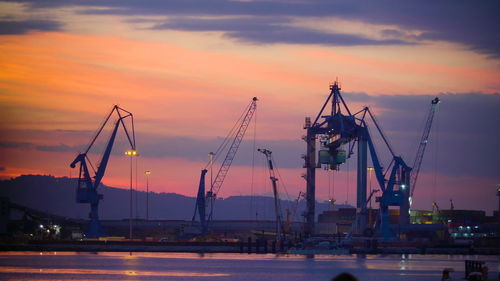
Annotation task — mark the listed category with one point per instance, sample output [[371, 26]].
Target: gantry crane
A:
[[86, 191], [340, 129], [332, 155], [280, 227], [236, 134]]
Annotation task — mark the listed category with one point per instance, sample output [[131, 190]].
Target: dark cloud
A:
[[21, 27], [2, 169], [49, 148], [59, 148], [269, 30], [198, 149], [12, 144], [473, 23], [465, 132]]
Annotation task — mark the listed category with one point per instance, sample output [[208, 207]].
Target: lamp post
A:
[[131, 153], [370, 171], [211, 157], [147, 193], [498, 195]]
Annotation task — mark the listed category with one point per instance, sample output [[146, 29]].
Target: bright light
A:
[[403, 186], [131, 152], [41, 226], [148, 172]]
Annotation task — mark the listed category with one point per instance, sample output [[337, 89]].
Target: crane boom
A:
[[228, 160], [423, 144], [216, 184], [277, 208]]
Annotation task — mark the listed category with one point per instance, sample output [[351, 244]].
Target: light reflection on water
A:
[[192, 266], [69, 271]]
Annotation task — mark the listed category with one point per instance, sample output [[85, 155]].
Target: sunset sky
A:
[[186, 69]]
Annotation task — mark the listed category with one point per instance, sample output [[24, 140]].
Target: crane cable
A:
[[348, 187], [282, 183], [254, 149], [435, 160], [331, 189], [229, 136], [414, 147]]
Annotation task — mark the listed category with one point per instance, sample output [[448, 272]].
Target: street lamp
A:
[[147, 193], [211, 157], [498, 195], [370, 170], [131, 153]]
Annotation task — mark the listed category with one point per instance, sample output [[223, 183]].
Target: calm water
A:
[[186, 266]]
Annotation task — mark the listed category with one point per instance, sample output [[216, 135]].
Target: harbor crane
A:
[[280, 227], [291, 215], [338, 133], [235, 136], [423, 144], [86, 191]]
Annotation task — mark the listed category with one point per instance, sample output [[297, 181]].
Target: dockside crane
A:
[[280, 227], [202, 199], [423, 144], [86, 191], [339, 132], [291, 215]]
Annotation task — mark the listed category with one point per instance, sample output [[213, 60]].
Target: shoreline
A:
[[228, 247]]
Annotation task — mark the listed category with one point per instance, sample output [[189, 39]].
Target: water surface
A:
[[239, 267]]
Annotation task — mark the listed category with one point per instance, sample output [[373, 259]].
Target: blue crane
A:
[[236, 134], [339, 132], [86, 191]]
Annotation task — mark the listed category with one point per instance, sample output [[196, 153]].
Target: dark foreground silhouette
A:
[[344, 277]]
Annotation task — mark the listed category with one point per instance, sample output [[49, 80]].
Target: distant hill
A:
[[57, 196]]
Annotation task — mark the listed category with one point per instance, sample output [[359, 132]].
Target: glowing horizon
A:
[[187, 74]]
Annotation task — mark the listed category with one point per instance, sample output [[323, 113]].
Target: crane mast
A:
[[216, 184], [86, 191], [277, 208], [423, 144]]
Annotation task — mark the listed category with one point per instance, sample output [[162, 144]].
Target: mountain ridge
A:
[[56, 195]]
